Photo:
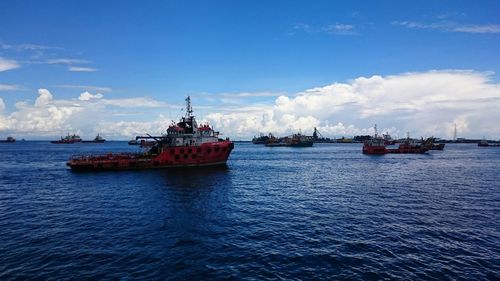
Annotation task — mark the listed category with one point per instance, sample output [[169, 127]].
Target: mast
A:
[[189, 109], [455, 133]]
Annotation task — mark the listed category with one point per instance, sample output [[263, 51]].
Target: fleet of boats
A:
[[187, 144], [379, 145], [295, 140]]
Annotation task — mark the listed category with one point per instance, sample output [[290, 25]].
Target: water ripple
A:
[[326, 212]]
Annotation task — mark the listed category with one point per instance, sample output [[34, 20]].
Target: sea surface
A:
[[325, 213]]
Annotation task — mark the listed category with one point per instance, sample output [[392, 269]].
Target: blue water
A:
[[326, 212]]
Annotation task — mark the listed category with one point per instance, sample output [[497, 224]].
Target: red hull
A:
[[207, 154], [380, 150], [374, 149]]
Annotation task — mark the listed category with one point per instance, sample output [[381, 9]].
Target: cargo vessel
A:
[[184, 145], [261, 139], [68, 139], [8, 139], [97, 139], [296, 140]]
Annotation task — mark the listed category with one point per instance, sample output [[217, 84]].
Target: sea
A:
[[327, 212]]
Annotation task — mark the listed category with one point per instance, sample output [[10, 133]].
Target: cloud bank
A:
[[424, 104]]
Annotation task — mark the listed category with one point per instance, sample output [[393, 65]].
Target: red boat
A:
[[185, 145], [377, 146]]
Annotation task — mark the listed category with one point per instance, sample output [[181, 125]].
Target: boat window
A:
[[189, 150], [185, 156], [194, 156], [182, 150], [177, 157], [209, 150], [217, 148]]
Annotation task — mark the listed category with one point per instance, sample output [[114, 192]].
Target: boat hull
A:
[[208, 154], [380, 150], [374, 150]]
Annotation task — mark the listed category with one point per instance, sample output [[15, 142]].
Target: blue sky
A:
[[234, 55]]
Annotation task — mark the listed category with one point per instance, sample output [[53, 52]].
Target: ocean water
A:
[[326, 212]]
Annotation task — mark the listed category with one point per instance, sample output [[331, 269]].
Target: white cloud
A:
[[336, 29], [9, 87], [65, 61], [88, 96], [423, 103], [450, 26], [136, 103], [6, 64], [28, 47], [44, 98], [427, 103], [86, 88], [81, 69], [87, 114]]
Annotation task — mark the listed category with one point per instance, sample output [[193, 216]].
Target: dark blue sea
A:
[[325, 213]]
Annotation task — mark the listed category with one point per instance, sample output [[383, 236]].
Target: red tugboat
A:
[[377, 146], [185, 145]]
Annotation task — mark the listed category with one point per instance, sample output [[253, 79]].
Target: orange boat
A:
[[185, 145], [377, 145]]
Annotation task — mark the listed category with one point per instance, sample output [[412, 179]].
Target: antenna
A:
[[455, 133], [375, 128], [189, 109]]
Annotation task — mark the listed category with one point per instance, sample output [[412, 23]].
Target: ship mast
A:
[[455, 133], [189, 109]]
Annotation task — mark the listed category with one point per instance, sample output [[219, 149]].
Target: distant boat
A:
[[69, 139], [296, 140], [437, 146], [97, 139], [146, 143], [318, 137], [486, 143], [8, 139], [377, 145], [262, 139], [143, 142], [388, 140]]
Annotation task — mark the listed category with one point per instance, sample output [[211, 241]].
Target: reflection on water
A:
[[196, 177], [325, 212]]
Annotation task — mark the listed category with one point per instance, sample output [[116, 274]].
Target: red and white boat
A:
[[185, 145], [377, 146]]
